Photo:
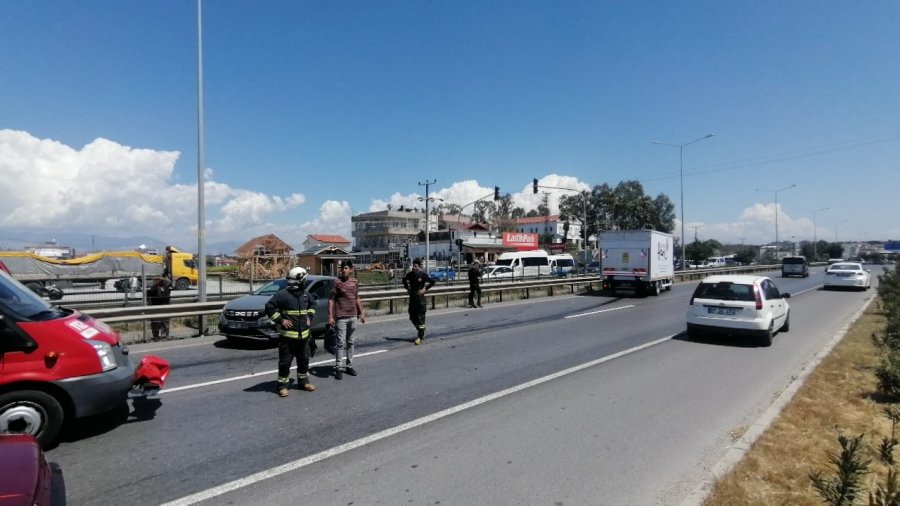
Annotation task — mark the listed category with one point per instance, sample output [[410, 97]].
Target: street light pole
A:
[[427, 184], [681, 184], [776, 212], [201, 202], [815, 240]]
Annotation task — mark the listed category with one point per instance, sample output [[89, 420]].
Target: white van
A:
[[562, 264], [526, 263]]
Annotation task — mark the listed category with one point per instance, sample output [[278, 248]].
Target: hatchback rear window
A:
[[725, 291]]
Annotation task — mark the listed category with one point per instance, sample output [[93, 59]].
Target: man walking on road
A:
[[160, 294], [474, 283], [292, 309], [417, 282], [344, 308]]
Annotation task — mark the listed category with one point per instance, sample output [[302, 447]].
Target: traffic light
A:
[[534, 186], [496, 193]]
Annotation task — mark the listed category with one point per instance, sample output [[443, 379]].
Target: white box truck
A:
[[637, 260]]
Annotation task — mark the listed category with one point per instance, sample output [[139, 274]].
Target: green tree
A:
[[745, 255], [502, 216], [834, 250], [699, 251]]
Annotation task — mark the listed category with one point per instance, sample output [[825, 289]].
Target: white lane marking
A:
[[599, 311], [816, 287], [337, 450], [253, 375]]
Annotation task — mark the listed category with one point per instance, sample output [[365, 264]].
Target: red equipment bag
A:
[[150, 375]]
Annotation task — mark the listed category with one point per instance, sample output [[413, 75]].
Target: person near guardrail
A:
[[417, 282], [344, 308], [159, 294], [291, 309], [475, 283]]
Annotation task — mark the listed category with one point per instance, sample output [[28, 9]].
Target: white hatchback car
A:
[[497, 273], [847, 275], [739, 304]]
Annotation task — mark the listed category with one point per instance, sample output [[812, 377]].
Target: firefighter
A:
[[291, 309], [417, 282]]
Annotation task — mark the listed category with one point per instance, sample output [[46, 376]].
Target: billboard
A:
[[520, 240], [892, 246]]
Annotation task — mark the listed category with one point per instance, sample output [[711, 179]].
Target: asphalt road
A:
[[564, 400]]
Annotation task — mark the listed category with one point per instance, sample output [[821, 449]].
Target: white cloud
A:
[[111, 189], [108, 188], [464, 193]]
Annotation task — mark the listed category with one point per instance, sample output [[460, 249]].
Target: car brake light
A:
[[758, 296]]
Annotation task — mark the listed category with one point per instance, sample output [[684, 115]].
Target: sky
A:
[[315, 111]]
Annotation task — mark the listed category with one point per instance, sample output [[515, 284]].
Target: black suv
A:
[[794, 266], [245, 316]]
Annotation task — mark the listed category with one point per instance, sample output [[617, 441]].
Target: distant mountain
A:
[[19, 239]]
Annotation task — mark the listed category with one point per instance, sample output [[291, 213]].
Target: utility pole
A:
[[695, 227], [427, 184]]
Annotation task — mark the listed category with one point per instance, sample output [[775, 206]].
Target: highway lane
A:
[[203, 437]]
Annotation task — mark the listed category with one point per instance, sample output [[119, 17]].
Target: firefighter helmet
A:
[[297, 274]]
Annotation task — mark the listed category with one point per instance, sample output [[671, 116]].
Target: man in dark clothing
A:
[[291, 309], [160, 294], [475, 283], [417, 282]]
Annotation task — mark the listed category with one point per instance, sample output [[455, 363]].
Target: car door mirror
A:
[[785, 296]]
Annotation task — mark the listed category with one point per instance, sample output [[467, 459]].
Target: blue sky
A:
[[318, 110]]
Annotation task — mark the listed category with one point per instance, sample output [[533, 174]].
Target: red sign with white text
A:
[[520, 241]]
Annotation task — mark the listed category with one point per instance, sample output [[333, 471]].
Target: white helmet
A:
[[297, 274]]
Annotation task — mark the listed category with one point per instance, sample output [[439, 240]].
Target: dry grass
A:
[[837, 398]]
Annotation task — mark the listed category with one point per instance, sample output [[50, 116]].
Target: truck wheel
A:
[[655, 290], [31, 412], [182, 284]]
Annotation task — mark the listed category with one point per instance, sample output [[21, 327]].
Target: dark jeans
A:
[[288, 348], [473, 290]]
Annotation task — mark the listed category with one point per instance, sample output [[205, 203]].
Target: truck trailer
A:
[[641, 261]]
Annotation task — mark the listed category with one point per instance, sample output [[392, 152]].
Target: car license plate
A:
[[728, 311], [238, 325]]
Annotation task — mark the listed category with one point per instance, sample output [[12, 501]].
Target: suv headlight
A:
[[105, 354]]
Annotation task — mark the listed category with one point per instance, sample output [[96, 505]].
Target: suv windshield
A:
[[271, 288]]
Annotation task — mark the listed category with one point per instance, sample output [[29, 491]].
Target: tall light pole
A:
[[815, 240], [776, 212], [681, 178], [427, 184], [201, 202]]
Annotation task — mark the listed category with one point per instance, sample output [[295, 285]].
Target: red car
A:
[[25, 475]]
